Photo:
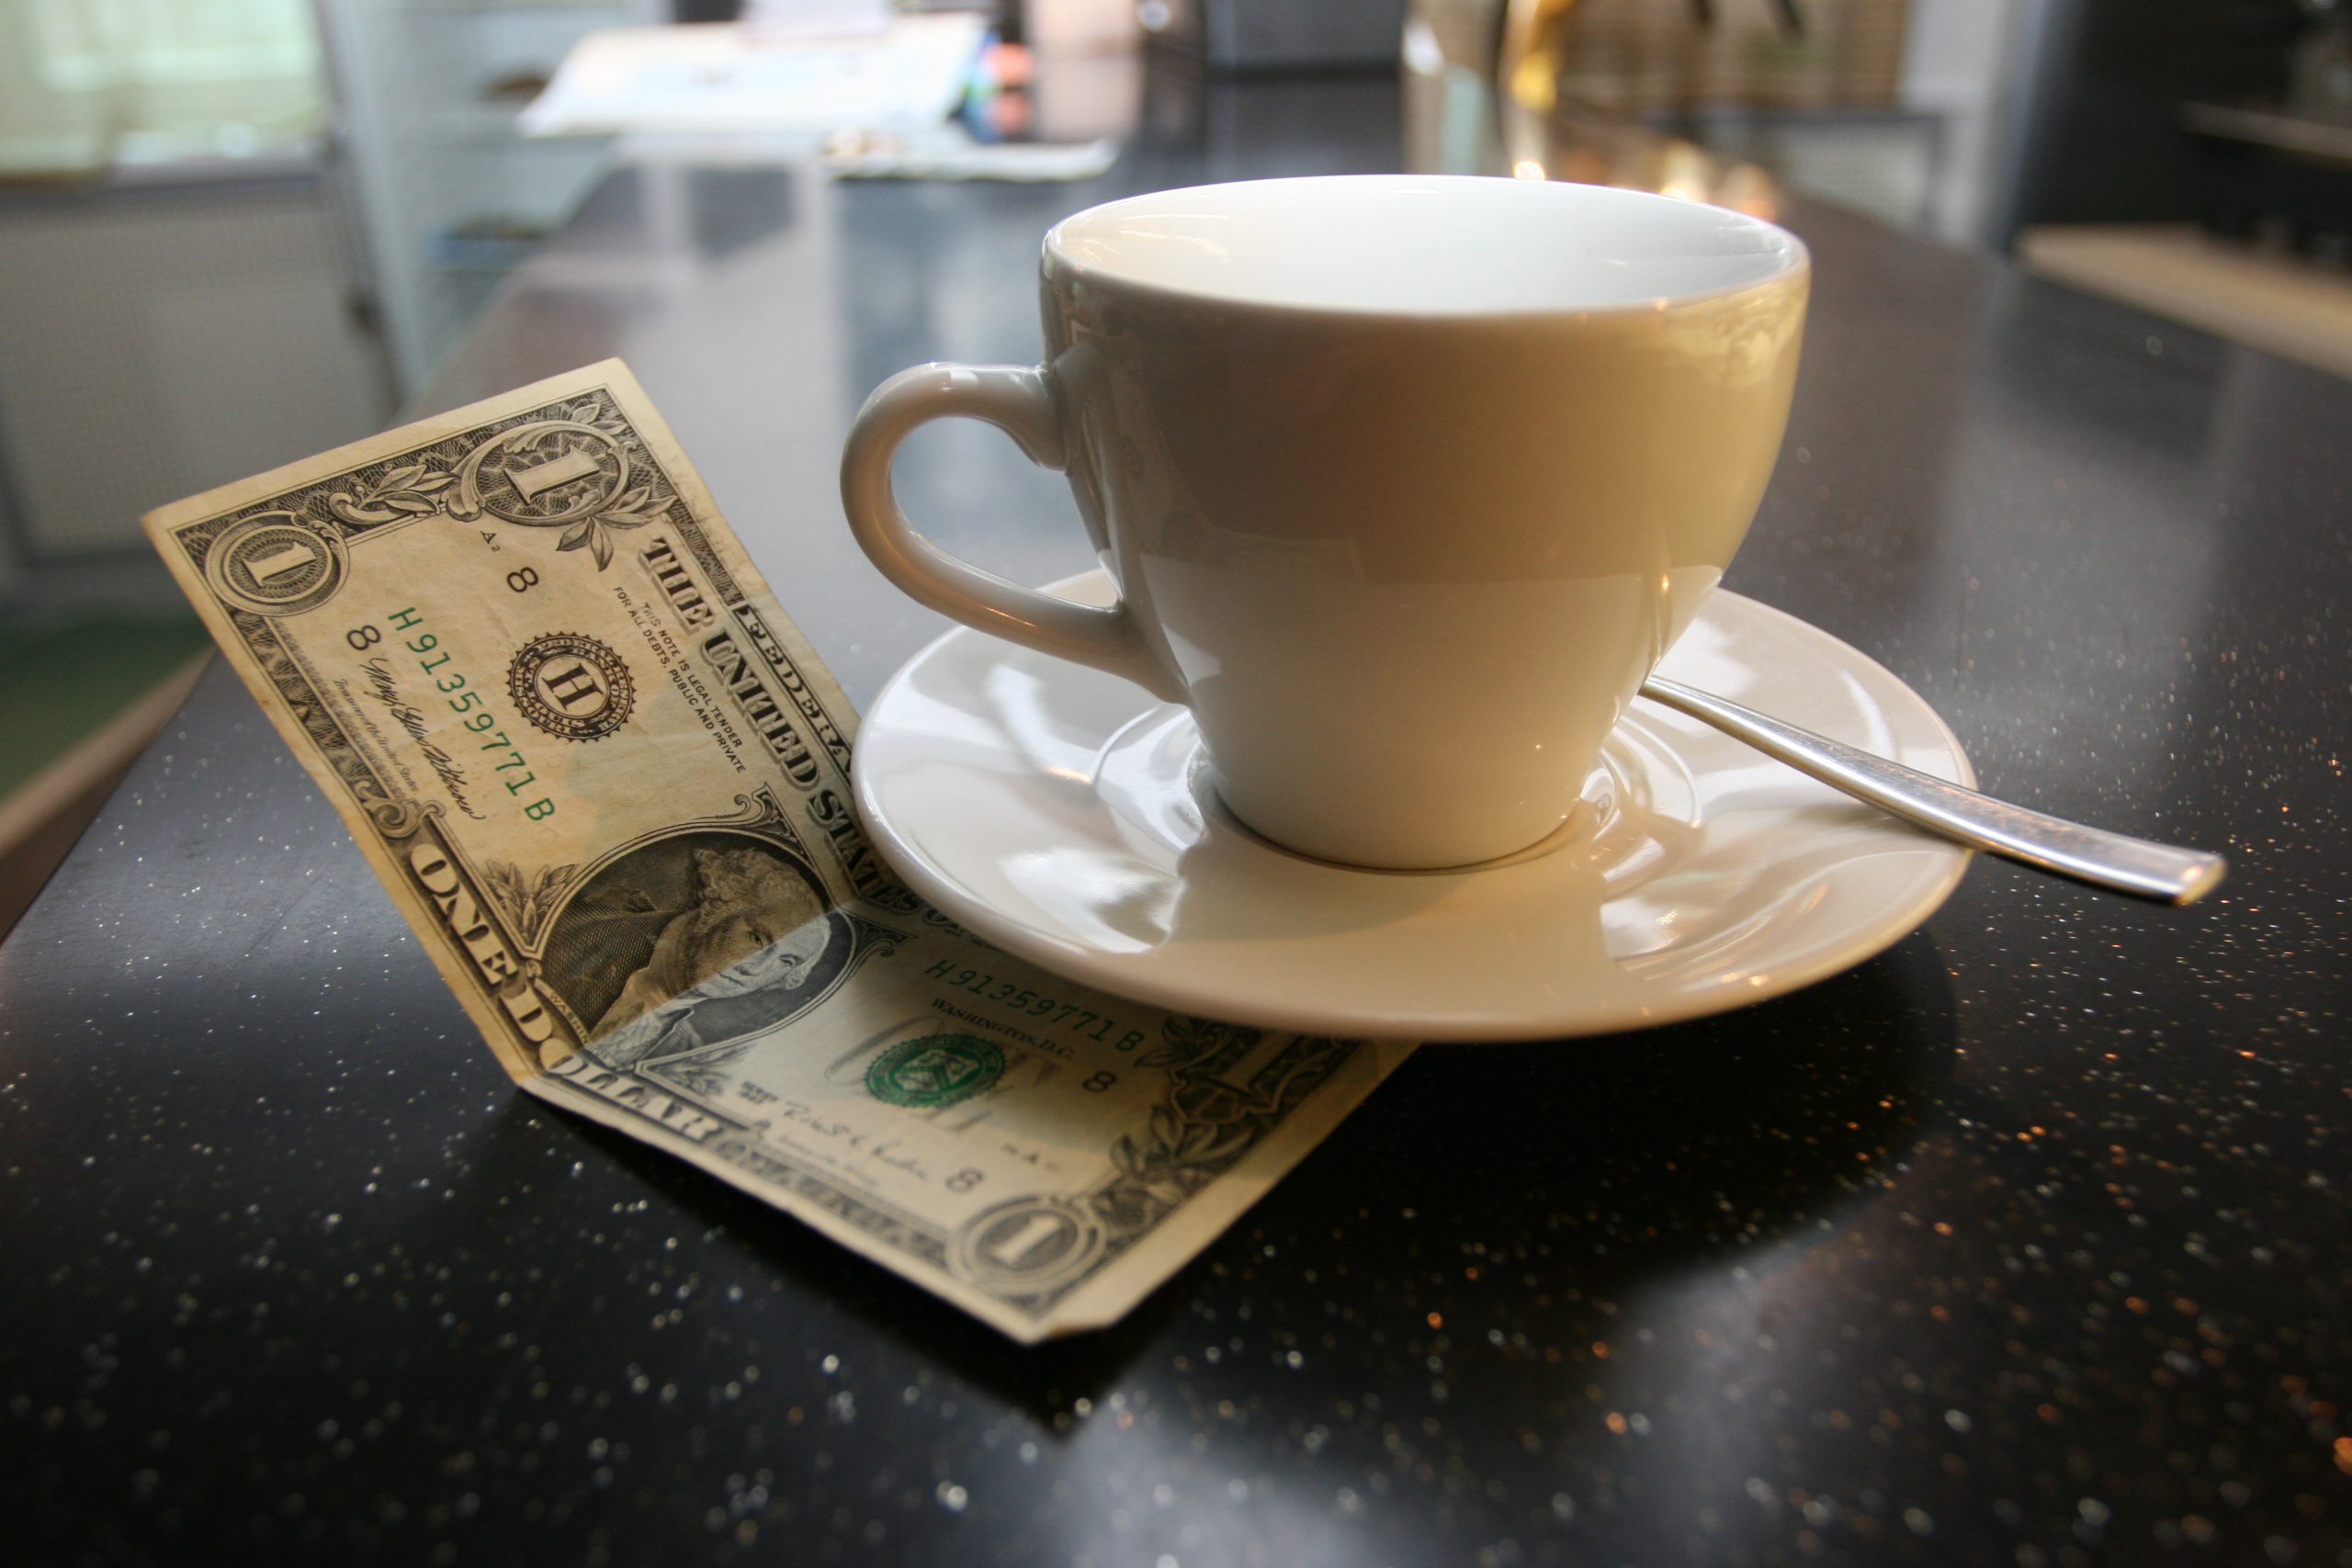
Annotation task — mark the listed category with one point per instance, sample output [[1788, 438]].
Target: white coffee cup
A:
[[1407, 481]]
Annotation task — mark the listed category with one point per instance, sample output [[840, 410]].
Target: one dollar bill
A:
[[607, 784]]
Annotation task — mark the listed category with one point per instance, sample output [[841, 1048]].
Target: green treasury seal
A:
[[936, 1070]]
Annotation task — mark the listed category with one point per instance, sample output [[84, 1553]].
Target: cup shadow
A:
[[1692, 1140], [1697, 1139]]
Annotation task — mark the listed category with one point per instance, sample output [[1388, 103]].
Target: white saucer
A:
[[1060, 812]]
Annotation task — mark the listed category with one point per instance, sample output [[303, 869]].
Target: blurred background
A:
[[234, 232]]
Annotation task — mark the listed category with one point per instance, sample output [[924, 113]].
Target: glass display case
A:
[[443, 192]]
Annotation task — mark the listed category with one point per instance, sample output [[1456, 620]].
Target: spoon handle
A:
[[2088, 854]]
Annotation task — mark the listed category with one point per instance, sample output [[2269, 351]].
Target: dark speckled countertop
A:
[[2026, 1244]]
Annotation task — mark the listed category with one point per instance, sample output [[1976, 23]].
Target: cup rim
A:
[[1796, 259]]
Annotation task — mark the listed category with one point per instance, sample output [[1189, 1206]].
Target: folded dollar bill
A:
[[607, 784]]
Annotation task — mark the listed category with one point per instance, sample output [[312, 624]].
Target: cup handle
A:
[[1019, 400]]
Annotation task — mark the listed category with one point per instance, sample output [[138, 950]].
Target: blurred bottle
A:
[[1449, 52]]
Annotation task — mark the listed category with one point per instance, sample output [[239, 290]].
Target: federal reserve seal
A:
[[570, 686], [936, 1070]]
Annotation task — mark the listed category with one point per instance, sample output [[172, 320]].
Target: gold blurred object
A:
[[1596, 149], [1463, 116], [1535, 36], [1641, 56]]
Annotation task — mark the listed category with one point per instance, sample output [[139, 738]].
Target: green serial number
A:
[[463, 700]]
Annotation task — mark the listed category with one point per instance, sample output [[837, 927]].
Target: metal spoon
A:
[[2088, 854]]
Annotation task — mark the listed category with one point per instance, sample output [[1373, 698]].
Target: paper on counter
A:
[[723, 76]]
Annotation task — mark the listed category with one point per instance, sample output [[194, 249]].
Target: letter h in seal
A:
[[572, 686]]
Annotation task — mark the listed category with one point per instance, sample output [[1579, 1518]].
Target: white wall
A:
[[1957, 60], [158, 343]]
